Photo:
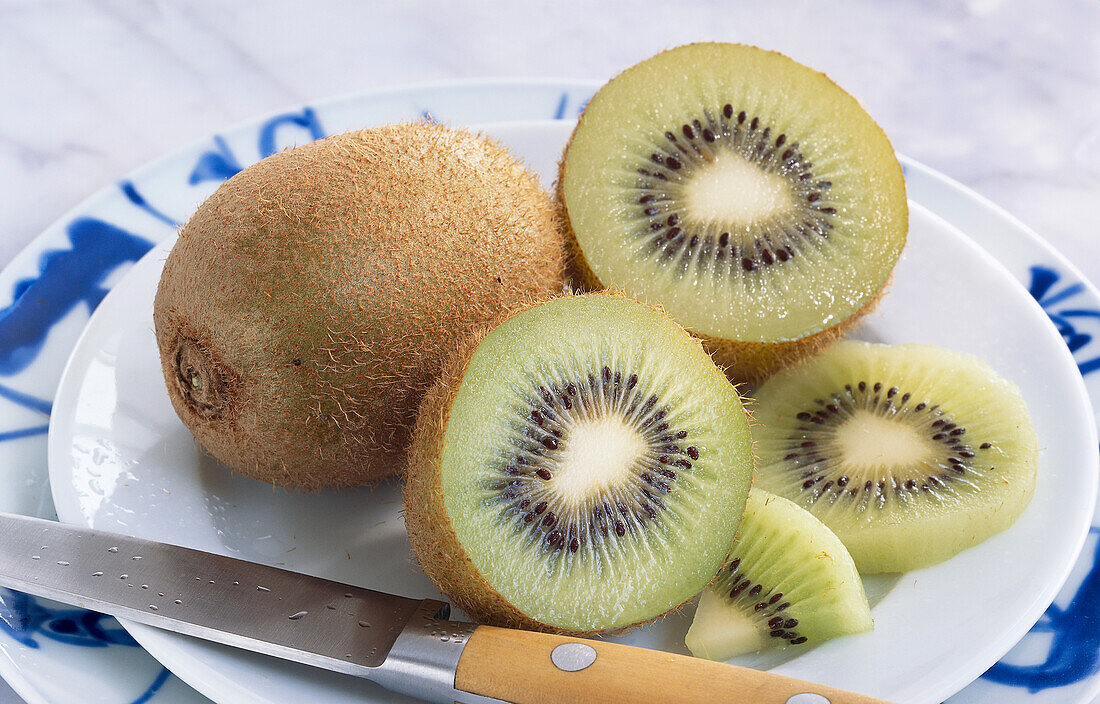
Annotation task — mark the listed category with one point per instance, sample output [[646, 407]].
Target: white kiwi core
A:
[[872, 443], [730, 189], [599, 455]]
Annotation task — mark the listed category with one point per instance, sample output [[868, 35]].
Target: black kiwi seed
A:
[[671, 164], [524, 488], [830, 477], [765, 609]]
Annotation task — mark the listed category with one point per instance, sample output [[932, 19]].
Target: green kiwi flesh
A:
[[909, 453], [746, 193], [586, 473], [789, 583]]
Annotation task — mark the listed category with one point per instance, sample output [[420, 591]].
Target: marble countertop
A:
[[1001, 95]]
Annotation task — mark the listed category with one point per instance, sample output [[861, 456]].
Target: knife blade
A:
[[406, 645]]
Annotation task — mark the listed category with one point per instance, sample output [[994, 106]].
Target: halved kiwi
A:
[[581, 468], [746, 193], [909, 453], [789, 582]]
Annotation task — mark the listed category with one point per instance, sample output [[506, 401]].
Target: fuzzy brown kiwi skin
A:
[[318, 381], [429, 529], [744, 362]]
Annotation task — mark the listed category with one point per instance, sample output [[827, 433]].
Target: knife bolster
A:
[[423, 659]]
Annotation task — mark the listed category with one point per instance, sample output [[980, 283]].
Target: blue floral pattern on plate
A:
[[76, 259]]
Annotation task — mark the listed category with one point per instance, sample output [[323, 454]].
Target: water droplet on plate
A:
[[136, 557], [300, 614], [97, 574], [178, 601], [124, 576], [153, 607], [63, 563], [113, 549], [36, 557], [262, 589], [364, 624]]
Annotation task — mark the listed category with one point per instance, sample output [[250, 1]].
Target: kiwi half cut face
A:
[[909, 453], [746, 193], [586, 473], [789, 582]]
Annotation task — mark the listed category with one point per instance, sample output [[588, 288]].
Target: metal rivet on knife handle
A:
[[573, 657]]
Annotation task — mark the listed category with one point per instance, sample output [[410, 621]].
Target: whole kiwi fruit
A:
[[311, 300]]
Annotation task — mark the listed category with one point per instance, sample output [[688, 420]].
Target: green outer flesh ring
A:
[[807, 294], [628, 591]]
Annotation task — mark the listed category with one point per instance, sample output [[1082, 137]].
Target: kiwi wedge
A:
[[749, 195], [311, 300], [581, 468], [909, 453], [789, 582]]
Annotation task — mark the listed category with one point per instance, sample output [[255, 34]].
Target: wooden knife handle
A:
[[519, 666]]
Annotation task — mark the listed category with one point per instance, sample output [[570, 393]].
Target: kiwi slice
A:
[[909, 453], [746, 193], [582, 468], [789, 582]]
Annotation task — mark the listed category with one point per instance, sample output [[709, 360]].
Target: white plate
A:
[[53, 654], [120, 460]]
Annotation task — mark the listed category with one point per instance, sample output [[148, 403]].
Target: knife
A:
[[405, 645]]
